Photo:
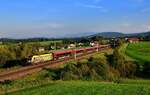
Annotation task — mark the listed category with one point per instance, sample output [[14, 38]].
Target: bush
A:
[[96, 67], [93, 68], [6, 54], [125, 68]]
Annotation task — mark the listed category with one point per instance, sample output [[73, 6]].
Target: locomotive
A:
[[40, 58], [58, 55]]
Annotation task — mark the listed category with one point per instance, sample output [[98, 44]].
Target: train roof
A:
[[62, 52], [59, 52]]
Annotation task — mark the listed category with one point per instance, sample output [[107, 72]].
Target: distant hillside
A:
[[80, 35], [109, 34], [118, 34], [139, 34]]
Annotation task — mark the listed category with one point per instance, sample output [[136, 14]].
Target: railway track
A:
[[18, 73], [15, 74]]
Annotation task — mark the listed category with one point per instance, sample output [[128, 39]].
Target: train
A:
[[64, 54]]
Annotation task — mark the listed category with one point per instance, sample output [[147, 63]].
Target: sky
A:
[[63, 18]]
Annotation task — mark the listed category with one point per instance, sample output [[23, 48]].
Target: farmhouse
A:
[[71, 46], [133, 40], [1, 43], [95, 43], [41, 49]]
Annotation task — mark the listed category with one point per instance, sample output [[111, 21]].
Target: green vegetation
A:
[[126, 68], [6, 54], [135, 81], [16, 54], [96, 67], [139, 54], [46, 75], [44, 43], [139, 51], [102, 73], [147, 38], [122, 51], [85, 88], [100, 66]]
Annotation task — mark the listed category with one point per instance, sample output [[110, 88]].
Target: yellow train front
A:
[[41, 58]]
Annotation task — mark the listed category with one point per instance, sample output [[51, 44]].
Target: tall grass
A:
[[85, 88]]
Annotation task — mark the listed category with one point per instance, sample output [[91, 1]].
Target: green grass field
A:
[[86, 88], [139, 51]]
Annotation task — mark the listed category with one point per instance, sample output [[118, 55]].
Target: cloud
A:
[[96, 1], [123, 26], [132, 27], [90, 6], [146, 27], [47, 29], [138, 1], [126, 25], [47, 26], [145, 10], [55, 25]]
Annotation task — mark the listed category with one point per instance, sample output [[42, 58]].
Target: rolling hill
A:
[[118, 34], [85, 34]]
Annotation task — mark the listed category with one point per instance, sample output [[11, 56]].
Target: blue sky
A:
[[59, 18]]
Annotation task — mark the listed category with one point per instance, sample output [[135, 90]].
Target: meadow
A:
[[86, 88], [43, 43], [139, 51]]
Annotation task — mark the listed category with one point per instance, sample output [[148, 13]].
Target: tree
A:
[[26, 51], [6, 54], [147, 38], [126, 68], [98, 39]]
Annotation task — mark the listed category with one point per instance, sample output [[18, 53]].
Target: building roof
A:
[[133, 39]]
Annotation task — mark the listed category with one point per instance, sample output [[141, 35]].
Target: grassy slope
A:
[[122, 50], [86, 88], [139, 51]]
